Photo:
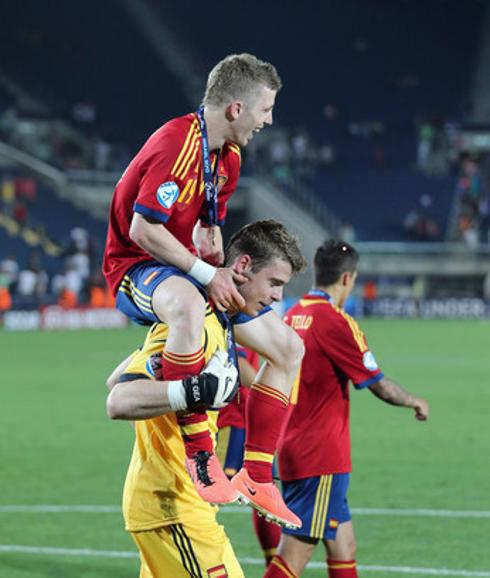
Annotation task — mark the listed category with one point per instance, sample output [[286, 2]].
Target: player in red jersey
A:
[[314, 450], [231, 438], [164, 245]]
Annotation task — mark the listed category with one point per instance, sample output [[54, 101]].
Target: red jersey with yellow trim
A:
[[164, 182], [233, 414], [315, 440]]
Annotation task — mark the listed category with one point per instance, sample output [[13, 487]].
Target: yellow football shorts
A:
[[199, 549]]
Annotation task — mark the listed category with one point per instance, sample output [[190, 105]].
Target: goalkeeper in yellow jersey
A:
[[174, 528]]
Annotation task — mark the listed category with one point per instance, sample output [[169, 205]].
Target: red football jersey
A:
[[316, 439], [164, 181], [234, 413]]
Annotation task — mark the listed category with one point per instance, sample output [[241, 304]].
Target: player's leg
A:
[[293, 555], [229, 449], [197, 548], [268, 535], [341, 553], [154, 292], [267, 405]]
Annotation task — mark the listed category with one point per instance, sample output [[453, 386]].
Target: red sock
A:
[[194, 427], [266, 410], [279, 568], [341, 568], [268, 535]]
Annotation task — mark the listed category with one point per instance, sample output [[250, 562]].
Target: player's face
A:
[[254, 115], [265, 286]]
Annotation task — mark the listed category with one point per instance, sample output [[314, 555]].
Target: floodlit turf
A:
[[59, 448]]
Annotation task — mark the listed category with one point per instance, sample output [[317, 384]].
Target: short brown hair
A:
[[237, 77], [265, 241]]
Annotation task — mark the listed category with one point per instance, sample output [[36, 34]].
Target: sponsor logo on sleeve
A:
[[167, 194], [369, 361]]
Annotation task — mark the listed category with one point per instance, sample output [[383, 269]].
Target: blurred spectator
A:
[[369, 296], [8, 193], [20, 213], [419, 224], [5, 297], [10, 269], [32, 281]]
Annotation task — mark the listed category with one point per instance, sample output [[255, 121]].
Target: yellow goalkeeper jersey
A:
[[158, 490]]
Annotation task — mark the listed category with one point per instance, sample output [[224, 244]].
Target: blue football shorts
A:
[[136, 289], [320, 502], [135, 292]]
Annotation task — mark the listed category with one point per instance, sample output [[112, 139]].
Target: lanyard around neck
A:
[[209, 175]]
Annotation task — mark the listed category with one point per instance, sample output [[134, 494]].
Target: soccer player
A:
[[230, 446], [175, 530], [314, 451], [164, 243]]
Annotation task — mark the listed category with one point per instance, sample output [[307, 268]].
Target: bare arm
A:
[[118, 371], [157, 241], [392, 393], [144, 398], [138, 399]]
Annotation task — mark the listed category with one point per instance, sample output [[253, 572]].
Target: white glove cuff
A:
[[176, 395], [202, 272]]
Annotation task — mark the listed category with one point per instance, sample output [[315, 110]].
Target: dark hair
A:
[[238, 76], [264, 241], [331, 260]]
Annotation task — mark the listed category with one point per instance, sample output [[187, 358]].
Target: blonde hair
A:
[[237, 77]]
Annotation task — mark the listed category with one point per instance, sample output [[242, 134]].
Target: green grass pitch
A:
[[59, 448]]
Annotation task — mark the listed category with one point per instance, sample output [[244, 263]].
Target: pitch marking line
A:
[[13, 548], [419, 512]]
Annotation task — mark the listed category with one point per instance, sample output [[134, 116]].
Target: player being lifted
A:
[[180, 182]]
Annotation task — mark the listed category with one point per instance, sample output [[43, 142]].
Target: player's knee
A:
[[182, 309], [187, 315]]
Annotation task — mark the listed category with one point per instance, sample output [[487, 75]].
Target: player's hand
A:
[[215, 386], [421, 408], [223, 289], [209, 244]]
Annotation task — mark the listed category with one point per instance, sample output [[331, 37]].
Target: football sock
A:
[[268, 535], [266, 410], [279, 568], [193, 426], [341, 568]]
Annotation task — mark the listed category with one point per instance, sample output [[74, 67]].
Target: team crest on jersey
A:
[[167, 194], [369, 361], [221, 182], [154, 365]]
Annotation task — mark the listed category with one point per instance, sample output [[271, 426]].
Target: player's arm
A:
[[153, 237], [208, 241], [136, 397], [390, 392], [118, 371]]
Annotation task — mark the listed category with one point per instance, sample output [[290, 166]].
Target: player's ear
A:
[[242, 264], [233, 110], [345, 278]]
